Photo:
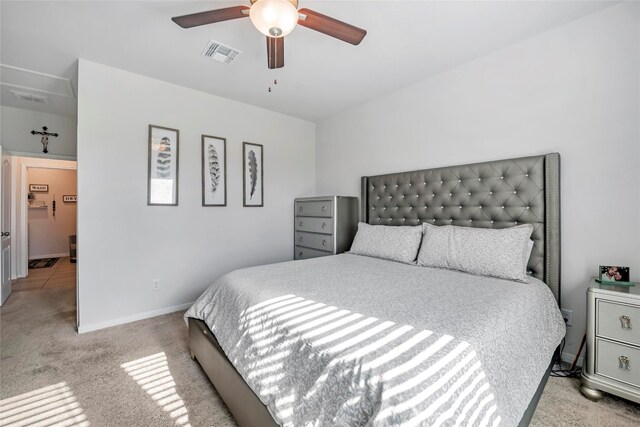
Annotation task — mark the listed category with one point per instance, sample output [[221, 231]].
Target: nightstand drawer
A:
[[618, 361], [314, 225], [618, 321], [322, 208], [305, 253], [323, 242]]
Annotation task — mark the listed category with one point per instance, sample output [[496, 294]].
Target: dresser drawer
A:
[[322, 208], [618, 321], [611, 361], [314, 225], [305, 253], [315, 241]]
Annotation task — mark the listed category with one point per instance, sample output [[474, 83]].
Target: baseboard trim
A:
[[568, 358], [132, 318], [49, 256]]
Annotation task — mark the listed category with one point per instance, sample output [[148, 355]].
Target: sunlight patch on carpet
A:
[[47, 406], [153, 375]]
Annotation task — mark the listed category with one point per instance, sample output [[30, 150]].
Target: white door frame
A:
[[22, 220], [5, 270]]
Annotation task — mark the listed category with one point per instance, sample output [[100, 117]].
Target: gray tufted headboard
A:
[[494, 194]]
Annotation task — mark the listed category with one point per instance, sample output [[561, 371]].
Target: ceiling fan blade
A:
[[331, 27], [211, 16], [275, 52]]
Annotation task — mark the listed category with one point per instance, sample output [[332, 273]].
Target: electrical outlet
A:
[[568, 316], [155, 284]]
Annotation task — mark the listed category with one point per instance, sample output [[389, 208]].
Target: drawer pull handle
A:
[[625, 322], [300, 254], [300, 223], [324, 208], [324, 225], [300, 239], [624, 363], [324, 242]]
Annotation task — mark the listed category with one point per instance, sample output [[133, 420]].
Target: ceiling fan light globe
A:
[[274, 18]]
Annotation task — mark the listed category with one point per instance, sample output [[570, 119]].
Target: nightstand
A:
[[613, 342]]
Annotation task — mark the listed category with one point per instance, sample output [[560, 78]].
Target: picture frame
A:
[[163, 166], [252, 175], [214, 170], [39, 188], [70, 198], [613, 274]]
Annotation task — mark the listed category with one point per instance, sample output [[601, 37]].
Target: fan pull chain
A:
[[275, 80]]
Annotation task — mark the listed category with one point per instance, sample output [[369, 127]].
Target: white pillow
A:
[[396, 243], [502, 253]]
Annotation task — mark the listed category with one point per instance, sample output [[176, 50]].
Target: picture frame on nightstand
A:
[[614, 274]]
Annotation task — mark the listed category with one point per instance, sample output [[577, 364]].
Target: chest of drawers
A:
[[613, 342], [324, 225]]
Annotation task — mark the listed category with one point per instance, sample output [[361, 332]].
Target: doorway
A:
[[51, 215], [42, 209], [50, 229]]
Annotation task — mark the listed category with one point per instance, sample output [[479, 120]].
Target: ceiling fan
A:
[[276, 19]]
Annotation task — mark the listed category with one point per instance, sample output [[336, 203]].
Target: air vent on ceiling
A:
[[25, 96], [219, 52]]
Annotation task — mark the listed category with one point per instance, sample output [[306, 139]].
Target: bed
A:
[[354, 340]]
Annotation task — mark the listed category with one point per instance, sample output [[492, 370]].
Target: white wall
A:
[[574, 90], [123, 244], [49, 233], [17, 123]]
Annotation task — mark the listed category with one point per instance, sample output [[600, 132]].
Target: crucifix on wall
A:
[[45, 137]]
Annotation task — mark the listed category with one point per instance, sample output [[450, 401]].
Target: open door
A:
[[5, 223]]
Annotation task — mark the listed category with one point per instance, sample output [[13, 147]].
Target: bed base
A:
[[244, 405], [242, 402]]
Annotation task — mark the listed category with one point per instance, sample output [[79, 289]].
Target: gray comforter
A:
[[352, 340]]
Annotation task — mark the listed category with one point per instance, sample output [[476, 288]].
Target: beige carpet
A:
[[140, 374]]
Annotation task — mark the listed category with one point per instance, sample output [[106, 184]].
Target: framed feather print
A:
[[214, 171], [252, 182], [162, 182]]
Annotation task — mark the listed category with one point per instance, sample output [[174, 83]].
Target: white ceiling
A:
[[407, 41]]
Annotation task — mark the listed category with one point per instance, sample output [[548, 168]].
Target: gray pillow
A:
[[502, 253], [396, 243]]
